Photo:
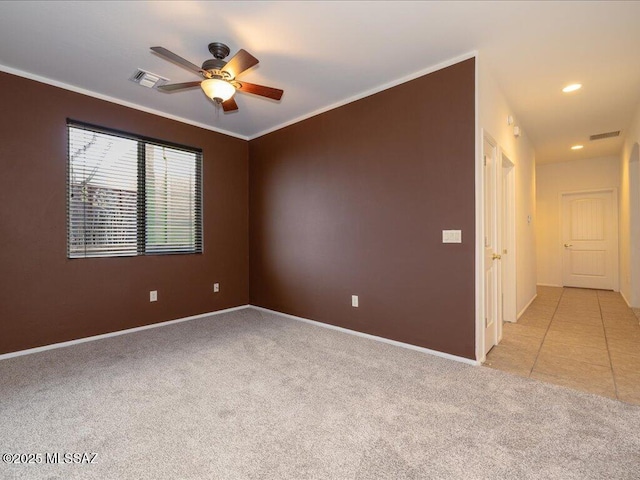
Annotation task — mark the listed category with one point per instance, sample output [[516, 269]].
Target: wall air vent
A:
[[147, 79], [600, 136]]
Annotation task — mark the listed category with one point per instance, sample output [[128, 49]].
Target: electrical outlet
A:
[[153, 296], [354, 301], [216, 287]]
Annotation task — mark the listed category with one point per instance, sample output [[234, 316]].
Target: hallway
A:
[[588, 340]]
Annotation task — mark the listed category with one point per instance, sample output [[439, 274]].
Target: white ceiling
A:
[[325, 53]]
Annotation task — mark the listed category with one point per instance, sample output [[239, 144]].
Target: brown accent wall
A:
[[47, 298], [354, 201]]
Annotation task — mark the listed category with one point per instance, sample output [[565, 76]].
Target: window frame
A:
[[141, 222]]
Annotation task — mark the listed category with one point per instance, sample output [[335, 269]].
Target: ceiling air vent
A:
[[148, 79], [600, 136]]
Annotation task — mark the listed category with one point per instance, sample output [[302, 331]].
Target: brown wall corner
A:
[[46, 298], [354, 201]]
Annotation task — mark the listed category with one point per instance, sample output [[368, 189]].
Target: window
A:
[[129, 195]]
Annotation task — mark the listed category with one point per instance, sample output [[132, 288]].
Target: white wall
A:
[[493, 111], [629, 216], [553, 179]]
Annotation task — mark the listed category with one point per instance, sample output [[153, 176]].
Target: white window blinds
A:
[[131, 196]]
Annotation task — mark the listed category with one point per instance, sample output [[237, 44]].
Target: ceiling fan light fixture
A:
[[219, 82], [218, 90]]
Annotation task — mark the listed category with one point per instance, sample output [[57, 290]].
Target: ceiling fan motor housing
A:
[[219, 51], [213, 64]]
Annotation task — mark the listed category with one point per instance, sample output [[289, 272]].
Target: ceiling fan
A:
[[220, 77]]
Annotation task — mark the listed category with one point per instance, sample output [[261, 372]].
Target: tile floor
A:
[[583, 339]]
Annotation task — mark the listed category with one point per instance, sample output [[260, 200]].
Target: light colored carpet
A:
[[249, 395]]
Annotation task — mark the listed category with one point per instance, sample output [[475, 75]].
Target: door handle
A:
[[567, 245], [495, 256]]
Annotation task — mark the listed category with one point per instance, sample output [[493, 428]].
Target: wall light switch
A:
[[354, 301], [153, 296], [216, 287], [452, 236]]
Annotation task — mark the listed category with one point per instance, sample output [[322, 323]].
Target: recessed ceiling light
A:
[[577, 147], [572, 88]]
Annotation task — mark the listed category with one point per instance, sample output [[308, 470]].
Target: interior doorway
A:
[[508, 240], [634, 226], [590, 239], [499, 241], [492, 282]]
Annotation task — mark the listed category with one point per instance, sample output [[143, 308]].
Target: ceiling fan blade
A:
[[240, 62], [230, 105], [179, 60], [172, 87], [274, 93]]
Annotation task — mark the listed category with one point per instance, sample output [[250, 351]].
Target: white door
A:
[[491, 247], [590, 240]]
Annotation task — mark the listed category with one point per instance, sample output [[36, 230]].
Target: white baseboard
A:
[[628, 303], [372, 337], [242, 307], [548, 285], [526, 306], [115, 334], [625, 299]]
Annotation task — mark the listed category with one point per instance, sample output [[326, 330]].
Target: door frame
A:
[[508, 224], [510, 239], [633, 276], [480, 244], [614, 227]]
